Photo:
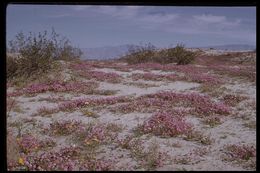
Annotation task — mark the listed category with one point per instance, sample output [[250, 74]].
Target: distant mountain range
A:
[[109, 52], [232, 47]]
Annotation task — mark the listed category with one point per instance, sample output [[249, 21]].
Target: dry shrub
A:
[[149, 53], [140, 54], [182, 56], [11, 66], [36, 53]]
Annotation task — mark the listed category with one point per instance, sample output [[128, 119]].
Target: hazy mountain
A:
[[232, 47], [109, 52]]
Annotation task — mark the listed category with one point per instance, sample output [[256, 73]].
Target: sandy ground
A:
[[230, 131]]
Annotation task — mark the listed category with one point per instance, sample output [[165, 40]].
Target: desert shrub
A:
[[11, 66], [164, 56], [182, 56], [149, 53], [140, 54], [36, 53]]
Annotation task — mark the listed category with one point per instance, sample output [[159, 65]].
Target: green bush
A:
[[166, 56], [148, 53], [183, 56], [36, 53], [140, 54], [11, 66]]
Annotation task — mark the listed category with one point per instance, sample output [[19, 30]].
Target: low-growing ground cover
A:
[[109, 115]]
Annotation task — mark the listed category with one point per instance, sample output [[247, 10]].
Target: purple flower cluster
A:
[[167, 100], [14, 93], [81, 66], [10, 103], [37, 88], [141, 105], [243, 152], [212, 120], [147, 159], [147, 76], [154, 66], [9, 84], [204, 78], [55, 86], [165, 124], [233, 100], [186, 69], [122, 68], [45, 111], [126, 143], [102, 76], [126, 108], [92, 135], [47, 142], [95, 134], [28, 143], [65, 127], [193, 73], [239, 71], [64, 159], [173, 77], [68, 105], [157, 160], [201, 78], [154, 77], [202, 104], [210, 108], [58, 86], [97, 165]]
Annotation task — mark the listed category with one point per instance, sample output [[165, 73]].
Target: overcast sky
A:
[[95, 26]]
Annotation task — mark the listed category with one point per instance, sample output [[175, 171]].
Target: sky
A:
[[90, 26]]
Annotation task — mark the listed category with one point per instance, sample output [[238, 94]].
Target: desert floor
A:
[[107, 115]]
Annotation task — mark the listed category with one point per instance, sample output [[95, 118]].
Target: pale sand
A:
[[231, 131]]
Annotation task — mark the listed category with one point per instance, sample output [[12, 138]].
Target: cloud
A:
[[80, 7], [209, 18], [201, 24], [121, 12], [158, 18], [137, 15], [59, 15], [151, 19]]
